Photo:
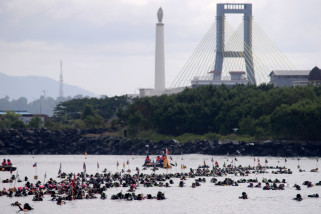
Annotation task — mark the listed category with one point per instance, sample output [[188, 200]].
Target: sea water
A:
[[206, 198]]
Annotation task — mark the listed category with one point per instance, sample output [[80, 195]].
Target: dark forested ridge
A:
[[105, 107], [262, 111]]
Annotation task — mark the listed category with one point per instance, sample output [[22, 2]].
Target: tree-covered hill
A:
[[262, 111]]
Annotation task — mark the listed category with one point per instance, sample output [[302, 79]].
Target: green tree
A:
[[135, 123], [94, 121], [18, 124], [88, 111], [35, 123], [8, 119]]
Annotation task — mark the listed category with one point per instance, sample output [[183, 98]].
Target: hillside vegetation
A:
[[261, 111]]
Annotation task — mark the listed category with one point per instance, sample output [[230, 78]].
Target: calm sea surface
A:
[[207, 198]]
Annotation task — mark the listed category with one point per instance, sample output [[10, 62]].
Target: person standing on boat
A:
[[4, 163], [9, 162], [147, 160], [163, 158]]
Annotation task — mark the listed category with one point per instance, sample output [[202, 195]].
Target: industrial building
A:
[[290, 78]]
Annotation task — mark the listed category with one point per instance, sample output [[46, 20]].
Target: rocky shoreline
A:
[[76, 141]]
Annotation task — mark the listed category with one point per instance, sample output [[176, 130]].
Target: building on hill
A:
[[236, 78], [314, 77], [25, 116], [288, 78]]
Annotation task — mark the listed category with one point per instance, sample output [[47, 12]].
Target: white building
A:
[[237, 77], [288, 78]]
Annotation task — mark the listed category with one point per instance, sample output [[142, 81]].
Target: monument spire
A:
[[160, 53]]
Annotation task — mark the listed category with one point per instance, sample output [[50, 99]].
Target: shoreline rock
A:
[[76, 141]]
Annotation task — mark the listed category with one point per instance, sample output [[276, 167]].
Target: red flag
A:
[[73, 184], [167, 151], [35, 165], [216, 163], [204, 163], [127, 162], [258, 160], [171, 158], [117, 163], [11, 170]]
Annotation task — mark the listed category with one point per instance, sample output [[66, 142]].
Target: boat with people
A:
[[8, 168], [161, 162]]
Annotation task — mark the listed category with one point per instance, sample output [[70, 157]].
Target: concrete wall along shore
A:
[[76, 141]]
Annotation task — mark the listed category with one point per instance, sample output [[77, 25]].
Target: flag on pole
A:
[[204, 163], [216, 163], [212, 160], [285, 160], [73, 184], [266, 161], [17, 178], [117, 164], [97, 165], [175, 163], [171, 158], [124, 165], [127, 162], [11, 170], [235, 159], [34, 165], [167, 151], [84, 167], [254, 159], [59, 171]]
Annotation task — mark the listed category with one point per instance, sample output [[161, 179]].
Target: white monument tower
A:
[[159, 54]]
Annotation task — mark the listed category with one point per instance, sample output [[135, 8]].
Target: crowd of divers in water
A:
[[81, 186]]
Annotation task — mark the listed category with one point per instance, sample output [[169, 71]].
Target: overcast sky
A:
[[107, 46]]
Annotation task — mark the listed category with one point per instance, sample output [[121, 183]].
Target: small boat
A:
[[165, 164], [8, 168], [153, 164]]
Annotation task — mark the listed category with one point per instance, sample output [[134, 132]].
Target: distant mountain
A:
[[32, 87]]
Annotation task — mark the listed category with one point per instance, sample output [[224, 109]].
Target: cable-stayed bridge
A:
[[224, 50]]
